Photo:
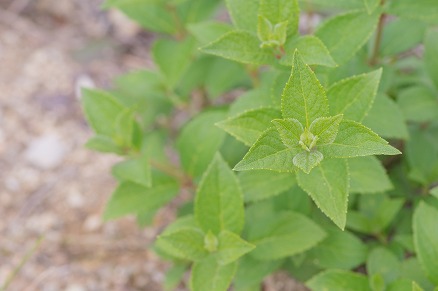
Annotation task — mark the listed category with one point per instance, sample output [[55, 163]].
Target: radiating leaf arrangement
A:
[[268, 137]]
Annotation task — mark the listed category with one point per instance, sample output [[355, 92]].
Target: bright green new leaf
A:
[[342, 41], [386, 118], [306, 161], [268, 153], [426, 239], [210, 275], [136, 170], [354, 96], [189, 242], [339, 250], [339, 281], [283, 234], [101, 109], [244, 14], [367, 175], [240, 46], [425, 10], [279, 11], [418, 103], [173, 58], [325, 129], [431, 51], [290, 130], [262, 184], [312, 50], [199, 140], [248, 126], [355, 140], [219, 200], [132, 198], [384, 262], [328, 186], [231, 247], [303, 97]]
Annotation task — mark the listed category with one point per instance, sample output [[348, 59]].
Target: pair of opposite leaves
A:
[[307, 134]]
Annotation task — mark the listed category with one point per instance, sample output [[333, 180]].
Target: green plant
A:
[[283, 174]]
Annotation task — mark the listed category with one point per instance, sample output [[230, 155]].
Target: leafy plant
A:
[[288, 139]]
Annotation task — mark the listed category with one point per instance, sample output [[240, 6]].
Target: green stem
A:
[[181, 31], [375, 55], [20, 265], [172, 171]]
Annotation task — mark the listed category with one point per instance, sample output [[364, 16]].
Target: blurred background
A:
[[52, 189]]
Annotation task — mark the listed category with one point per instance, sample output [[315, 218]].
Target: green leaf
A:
[[400, 285], [354, 96], [382, 261], [173, 276], [422, 155], [231, 247], [342, 41], [167, 250], [173, 58], [312, 49], [240, 46], [290, 130], [303, 97], [343, 4], [262, 184], [248, 126], [244, 13], [100, 110], [425, 10], [367, 175], [375, 213], [339, 250], [426, 239], [268, 153], [386, 118], [103, 144], [209, 275], [434, 191], [416, 287], [132, 198], [339, 281], [149, 14], [199, 140], [283, 234], [251, 272], [392, 44], [219, 200], [188, 241], [135, 170], [209, 31], [418, 103], [355, 140], [326, 128], [306, 161], [328, 186], [278, 11], [430, 52], [371, 5]]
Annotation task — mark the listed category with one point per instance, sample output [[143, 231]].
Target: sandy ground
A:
[[52, 189]]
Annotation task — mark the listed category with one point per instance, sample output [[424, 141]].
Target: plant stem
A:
[[172, 171], [375, 55], [20, 265]]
